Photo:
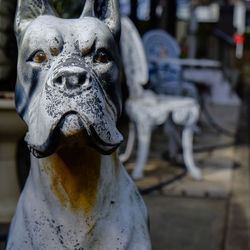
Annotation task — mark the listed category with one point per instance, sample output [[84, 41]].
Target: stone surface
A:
[[238, 230], [217, 175], [186, 223]]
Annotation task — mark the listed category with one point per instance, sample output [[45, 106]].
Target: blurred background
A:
[[176, 55]]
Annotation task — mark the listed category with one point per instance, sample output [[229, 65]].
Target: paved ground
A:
[[203, 215], [186, 223], [197, 215], [211, 214]]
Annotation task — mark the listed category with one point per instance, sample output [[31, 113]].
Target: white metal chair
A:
[[147, 109]]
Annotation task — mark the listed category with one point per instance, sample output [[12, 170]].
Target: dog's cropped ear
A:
[[105, 10], [27, 11]]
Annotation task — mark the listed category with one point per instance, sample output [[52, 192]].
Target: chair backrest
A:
[[133, 58], [159, 44]]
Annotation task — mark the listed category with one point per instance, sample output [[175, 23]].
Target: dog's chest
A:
[[49, 234], [53, 228], [43, 220]]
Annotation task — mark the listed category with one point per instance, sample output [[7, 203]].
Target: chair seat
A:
[[155, 109]]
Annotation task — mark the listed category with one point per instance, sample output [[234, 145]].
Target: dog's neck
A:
[[77, 181]]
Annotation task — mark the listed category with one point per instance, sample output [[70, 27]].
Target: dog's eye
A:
[[101, 57], [39, 57]]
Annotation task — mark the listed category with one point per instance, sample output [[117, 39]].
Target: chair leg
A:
[[130, 143], [144, 135], [187, 145]]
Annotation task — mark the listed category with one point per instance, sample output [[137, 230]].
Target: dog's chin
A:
[[72, 130]]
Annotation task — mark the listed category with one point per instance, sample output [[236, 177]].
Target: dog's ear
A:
[[105, 10], [27, 11]]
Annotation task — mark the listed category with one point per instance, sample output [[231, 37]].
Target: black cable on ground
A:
[[211, 120], [178, 177], [162, 184]]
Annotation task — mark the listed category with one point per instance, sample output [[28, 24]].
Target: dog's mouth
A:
[[72, 128], [74, 125]]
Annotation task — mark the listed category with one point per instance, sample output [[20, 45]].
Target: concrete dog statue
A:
[[77, 195]]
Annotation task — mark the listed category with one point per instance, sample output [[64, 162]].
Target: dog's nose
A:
[[72, 80]]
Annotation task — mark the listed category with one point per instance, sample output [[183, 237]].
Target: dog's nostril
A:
[[82, 78], [71, 80], [59, 80]]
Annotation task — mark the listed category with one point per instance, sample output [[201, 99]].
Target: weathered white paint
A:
[[77, 195]]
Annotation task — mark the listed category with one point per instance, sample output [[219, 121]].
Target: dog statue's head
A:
[[68, 75]]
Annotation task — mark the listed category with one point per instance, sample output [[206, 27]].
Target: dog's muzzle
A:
[[72, 103], [71, 81]]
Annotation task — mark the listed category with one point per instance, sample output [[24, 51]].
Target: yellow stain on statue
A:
[[115, 159], [74, 174]]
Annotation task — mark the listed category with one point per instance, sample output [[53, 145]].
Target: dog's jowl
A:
[[77, 195]]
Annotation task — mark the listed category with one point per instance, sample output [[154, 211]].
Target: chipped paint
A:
[[74, 175]]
